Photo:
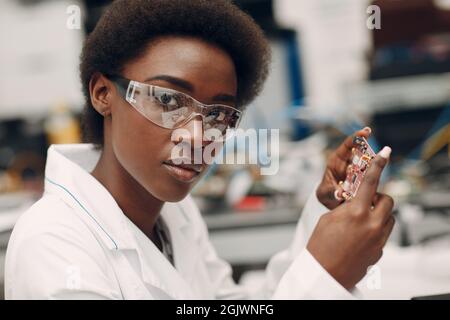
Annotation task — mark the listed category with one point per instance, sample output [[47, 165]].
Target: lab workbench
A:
[[251, 238], [247, 240]]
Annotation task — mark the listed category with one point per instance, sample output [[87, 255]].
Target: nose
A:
[[193, 133]]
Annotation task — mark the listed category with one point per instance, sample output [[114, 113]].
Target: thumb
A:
[[369, 185]]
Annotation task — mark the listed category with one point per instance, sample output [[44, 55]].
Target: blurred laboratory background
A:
[[336, 68]]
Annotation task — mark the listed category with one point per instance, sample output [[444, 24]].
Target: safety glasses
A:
[[172, 109]]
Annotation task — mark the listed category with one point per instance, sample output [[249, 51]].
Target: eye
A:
[[216, 114], [168, 100], [235, 118]]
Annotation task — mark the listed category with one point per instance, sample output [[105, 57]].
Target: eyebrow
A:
[[222, 97], [173, 80]]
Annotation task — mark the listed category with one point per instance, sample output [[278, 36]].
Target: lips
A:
[[183, 172]]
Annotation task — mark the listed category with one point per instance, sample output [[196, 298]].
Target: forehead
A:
[[203, 64]]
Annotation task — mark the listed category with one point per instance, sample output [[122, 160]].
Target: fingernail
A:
[[337, 195], [385, 152], [367, 129]]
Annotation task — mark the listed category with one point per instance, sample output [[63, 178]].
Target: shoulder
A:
[[49, 216], [48, 242]]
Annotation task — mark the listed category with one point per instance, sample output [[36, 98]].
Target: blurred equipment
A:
[[62, 127], [414, 39], [39, 58], [436, 142]]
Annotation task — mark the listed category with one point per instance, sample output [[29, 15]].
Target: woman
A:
[[116, 221]]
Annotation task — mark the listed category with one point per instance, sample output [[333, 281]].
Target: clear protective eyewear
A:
[[172, 109]]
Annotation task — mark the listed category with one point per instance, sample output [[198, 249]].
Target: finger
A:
[[376, 198], [344, 151], [383, 208], [338, 194], [387, 230], [331, 183], [369, 185], [334, 198]]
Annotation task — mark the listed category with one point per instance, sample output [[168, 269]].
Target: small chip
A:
[[362, 155]]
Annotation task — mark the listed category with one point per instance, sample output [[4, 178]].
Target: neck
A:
[[137, 204]]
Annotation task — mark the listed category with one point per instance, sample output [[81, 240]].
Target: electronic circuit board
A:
[[362, 155]]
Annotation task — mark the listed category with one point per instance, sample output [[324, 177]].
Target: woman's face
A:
[[144, 149]]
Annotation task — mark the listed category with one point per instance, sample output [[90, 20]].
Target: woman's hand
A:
[[350, 238], [336, 170]]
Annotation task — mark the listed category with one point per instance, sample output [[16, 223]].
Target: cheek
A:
[[138, 144], [140, 147], [135, 135]]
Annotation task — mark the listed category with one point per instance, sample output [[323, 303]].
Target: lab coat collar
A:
[[174, 280], [68, 176]]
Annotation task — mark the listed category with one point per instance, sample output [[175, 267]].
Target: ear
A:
[[100, 89]]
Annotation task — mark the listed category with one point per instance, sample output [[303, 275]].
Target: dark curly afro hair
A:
[[127, 27]]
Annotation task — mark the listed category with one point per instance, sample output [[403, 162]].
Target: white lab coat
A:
[[76, 243]]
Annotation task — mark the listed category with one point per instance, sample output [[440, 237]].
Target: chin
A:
[[172, 192], [176, 199]]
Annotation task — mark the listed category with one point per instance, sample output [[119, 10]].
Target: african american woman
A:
[[116, 220]]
